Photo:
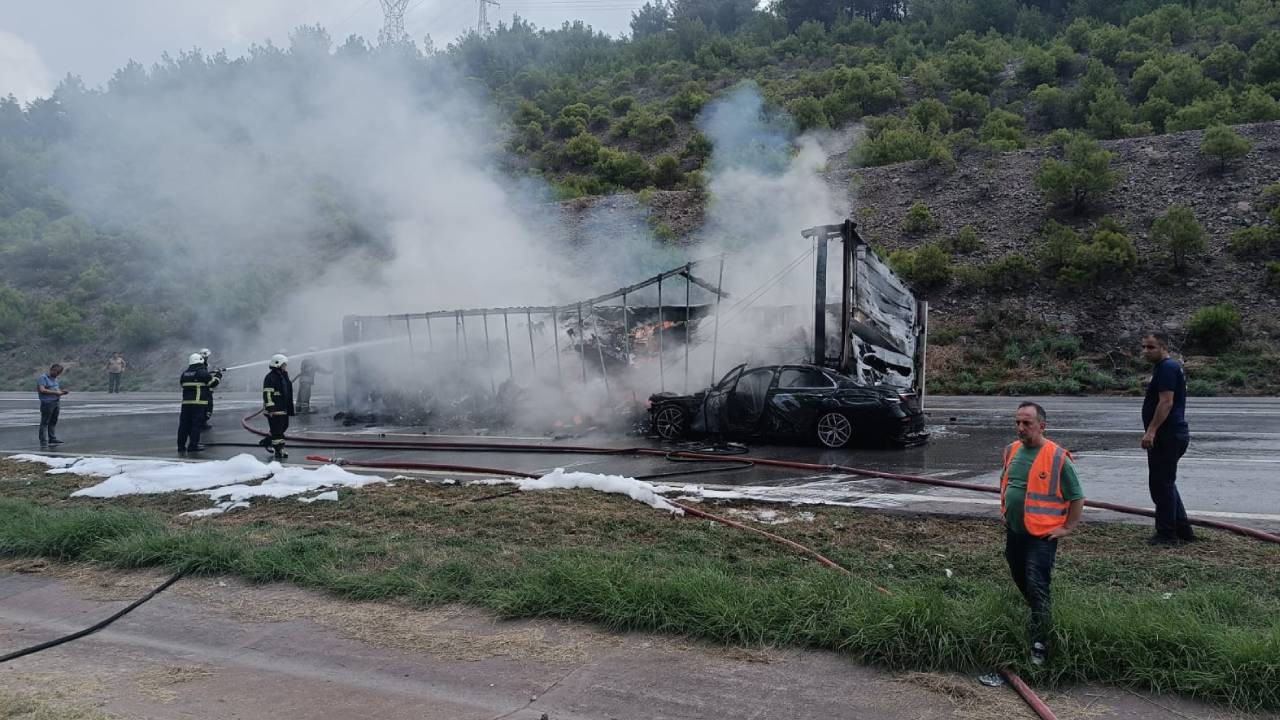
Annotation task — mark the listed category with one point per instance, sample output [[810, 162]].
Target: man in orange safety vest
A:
[[1041, 500]]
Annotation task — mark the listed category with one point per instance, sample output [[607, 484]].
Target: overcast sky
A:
[[43, 40]]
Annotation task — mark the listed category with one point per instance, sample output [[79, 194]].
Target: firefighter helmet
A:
[[195, 359], [279, 360], [205, 353]]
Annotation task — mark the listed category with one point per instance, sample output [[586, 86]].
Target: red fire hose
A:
[[1023, 690], [789, 464]]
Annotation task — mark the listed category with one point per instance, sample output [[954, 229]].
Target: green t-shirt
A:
[[1015, 495]]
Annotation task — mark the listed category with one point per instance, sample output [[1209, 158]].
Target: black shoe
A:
[[55, 441], [1039, 653], [1162, 540], [182, 451], [197, 448]]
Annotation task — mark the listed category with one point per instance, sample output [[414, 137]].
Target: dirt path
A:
[[220, 648]]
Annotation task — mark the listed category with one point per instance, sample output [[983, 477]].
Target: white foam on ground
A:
[[562, 480], [226, 481], [331, 495]]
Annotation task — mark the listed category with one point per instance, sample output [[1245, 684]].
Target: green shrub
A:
[[1269, 197], [1273, 274], [599, 118], [1179, 235], [1058, 244], [893, 144], [59, 320], [969, 109], [1083, 174], [576, 186], [966, 241], [622, 105], [1251, 243], [1109, 253], [1013, 271], [138, 328], [807, 113], [919, 220], [930, 115], [1199, 387], [1224, 146], [531, 136], [666, 172], [698, 148], [925, 268], [582, 150], [1215, 328], [689, 101], [526, 112], [568, 126], [624, 169], [12, 312], [940, 157], [1002, 130]]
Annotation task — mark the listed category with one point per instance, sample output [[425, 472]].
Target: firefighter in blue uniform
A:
[[196, 382], [277, 404]]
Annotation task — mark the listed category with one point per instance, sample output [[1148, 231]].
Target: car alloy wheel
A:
[[669, 423], [834, 430]]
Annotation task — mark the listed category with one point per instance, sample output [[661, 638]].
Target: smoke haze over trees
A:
[[187, 194]]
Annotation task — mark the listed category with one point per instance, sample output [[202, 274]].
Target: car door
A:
[[745, 406], [711, 416], [800, 393]]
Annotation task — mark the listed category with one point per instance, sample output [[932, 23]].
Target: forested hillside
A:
[[147, 242]]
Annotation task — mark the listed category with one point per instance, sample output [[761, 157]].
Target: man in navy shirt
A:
[[1166, 438], [50, 393]]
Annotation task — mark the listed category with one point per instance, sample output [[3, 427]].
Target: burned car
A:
[[791, 403]]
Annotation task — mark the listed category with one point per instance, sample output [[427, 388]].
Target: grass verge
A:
[[1199, 620]]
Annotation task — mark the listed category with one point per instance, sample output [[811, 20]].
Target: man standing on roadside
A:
[[50, 393], [1166, 438], [1041, 500], [115, 369]]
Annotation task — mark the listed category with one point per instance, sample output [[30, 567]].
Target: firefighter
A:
[[196, 383], [307, 379], [205, 423], [277, 404]]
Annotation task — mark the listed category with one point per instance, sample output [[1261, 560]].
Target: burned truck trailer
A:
[[478, 364], [541, 367]]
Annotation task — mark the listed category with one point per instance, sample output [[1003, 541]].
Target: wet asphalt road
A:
[[1231, 472]]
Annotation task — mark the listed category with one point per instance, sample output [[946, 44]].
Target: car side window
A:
[[797, 378]]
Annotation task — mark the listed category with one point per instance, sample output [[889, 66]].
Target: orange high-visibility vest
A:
[[1044, 509]]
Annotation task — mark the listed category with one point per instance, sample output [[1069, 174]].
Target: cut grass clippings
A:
[[1199, 620]]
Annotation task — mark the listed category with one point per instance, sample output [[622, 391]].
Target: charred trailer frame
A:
[[884, 328], [603, 332]]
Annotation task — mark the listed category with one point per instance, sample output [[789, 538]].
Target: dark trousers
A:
[[48, 421], [1162, 478], [278, 424], [208, 412], [189, 426], [113, 382], [1031, 564]]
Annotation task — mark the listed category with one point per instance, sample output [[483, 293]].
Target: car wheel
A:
[[834, 430], [669, 422]]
